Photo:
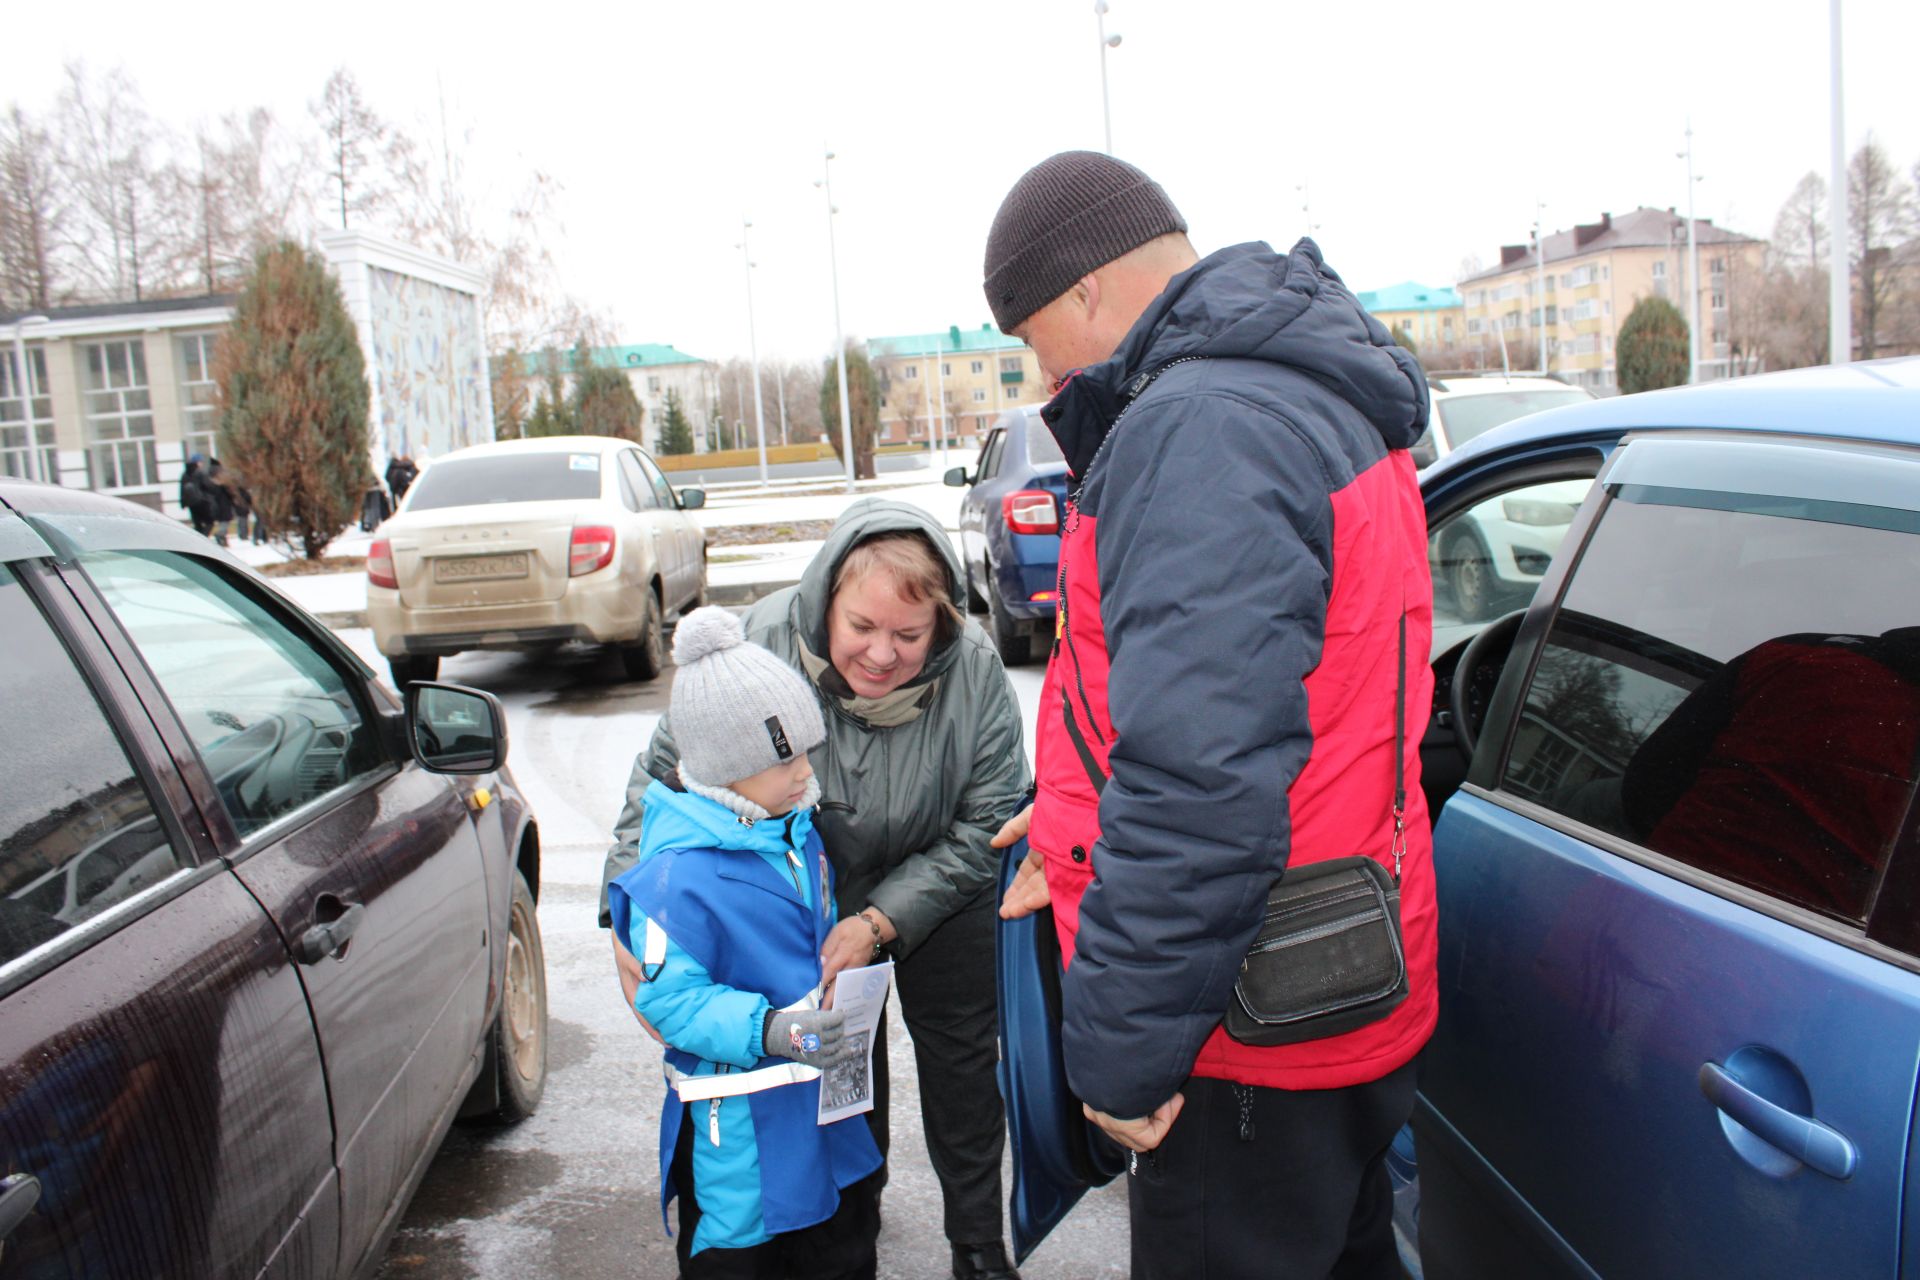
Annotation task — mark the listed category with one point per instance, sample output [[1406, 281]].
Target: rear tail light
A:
[[380, 565], [592, 549], [1031, 511], [1040, 597]]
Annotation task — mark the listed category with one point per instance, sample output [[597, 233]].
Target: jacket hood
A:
[[682, 820], [869, 518], [1249, 302]]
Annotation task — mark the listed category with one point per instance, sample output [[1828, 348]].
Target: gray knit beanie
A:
[[1066, 216], [736, 708]]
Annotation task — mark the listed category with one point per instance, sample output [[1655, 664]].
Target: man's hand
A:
[[1013, 829], [629, 969], [1028, 892], [850, 945], [1145, 1133]]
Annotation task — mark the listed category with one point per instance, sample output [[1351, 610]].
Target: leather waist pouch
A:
[[1328, 957]]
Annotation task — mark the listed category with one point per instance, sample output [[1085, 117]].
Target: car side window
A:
[[1488, 558], [1734, 682], [629, 496], [78, 829], [990, 455], [278, 725], [631, 474], [661, 489]]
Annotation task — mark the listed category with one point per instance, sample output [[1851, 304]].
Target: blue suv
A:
[[1010, 532]]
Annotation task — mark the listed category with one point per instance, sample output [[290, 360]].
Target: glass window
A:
[[979, 366], [506, 477], [990, 455], [661, 489], [78, 830], [912, 371], [1013, 392], [1010, 364], [277, 725], [1042, 448], [629, 496], [119, 411], [1734, 682], [1467, 416], [197, 425], [21, 414], [979, 395], [633, 478], [946, 368]]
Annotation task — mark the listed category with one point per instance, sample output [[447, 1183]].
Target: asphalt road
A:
[[573, 1192], [884, 464]]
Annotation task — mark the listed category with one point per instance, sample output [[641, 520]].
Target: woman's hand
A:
[[1143, 1134], [850, 945], [1028, 892]]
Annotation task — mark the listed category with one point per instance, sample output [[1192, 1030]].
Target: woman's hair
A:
[[917, 571]]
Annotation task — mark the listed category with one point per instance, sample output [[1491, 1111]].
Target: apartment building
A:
[[1592, 276], [963, 377], [653, 369], [1432, 317]]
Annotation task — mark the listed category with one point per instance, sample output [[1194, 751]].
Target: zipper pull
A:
[[713, 1121]]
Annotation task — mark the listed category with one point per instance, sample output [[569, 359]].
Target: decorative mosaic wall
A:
[[429, 367]]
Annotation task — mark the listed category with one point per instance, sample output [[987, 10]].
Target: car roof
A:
[[1443, 388], [1874, 401], [541, 444], [29, 497]]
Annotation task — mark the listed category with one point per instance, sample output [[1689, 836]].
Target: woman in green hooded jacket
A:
[[923, 762]]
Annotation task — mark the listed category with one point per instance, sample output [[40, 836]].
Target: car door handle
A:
[[1803, 1138], [19, 1192], [330, 936]]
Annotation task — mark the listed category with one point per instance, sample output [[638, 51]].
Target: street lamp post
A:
[[23, 386], [839, 341], [1693, 272], [1106, 42], [1840, 295], [753, 350], [1540, 276]]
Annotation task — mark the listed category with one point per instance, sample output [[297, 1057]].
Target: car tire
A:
[[1470, 575], [647, 657], [413, 666], [1009, 637], [517, 1042], [976, 603]]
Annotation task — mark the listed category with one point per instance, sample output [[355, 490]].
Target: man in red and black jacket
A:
[[1244, 538]]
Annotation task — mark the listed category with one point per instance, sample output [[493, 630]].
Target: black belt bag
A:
[[1328, 957]]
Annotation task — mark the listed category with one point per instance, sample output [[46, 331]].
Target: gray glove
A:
[[816, 1037]]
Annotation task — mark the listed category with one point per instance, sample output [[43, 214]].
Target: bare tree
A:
[[1880, 217], [1800, 230], [106, 136], [367, 159], [32, 214]]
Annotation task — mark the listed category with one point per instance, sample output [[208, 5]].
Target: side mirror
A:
[[957, 478], [453, 729], [692, 499]]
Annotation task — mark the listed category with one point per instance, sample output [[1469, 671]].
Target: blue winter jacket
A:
[[745, 910]]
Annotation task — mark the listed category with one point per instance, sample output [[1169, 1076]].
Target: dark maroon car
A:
[[265, 932]]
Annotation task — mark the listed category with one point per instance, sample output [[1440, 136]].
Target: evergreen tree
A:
[[1651, 349], [291, 390], [552, 412], [863, 403], [676, 433], [603, 400]]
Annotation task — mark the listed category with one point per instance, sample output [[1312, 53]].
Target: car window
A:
[[1487, 559], [1042, 448], [1734, 682], [277, 724], [632, 486], [1465, 417], [990, 456], [661, 489], [506, 477], [78, 829]]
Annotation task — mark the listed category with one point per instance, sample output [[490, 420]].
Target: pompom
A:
[[704, 631]]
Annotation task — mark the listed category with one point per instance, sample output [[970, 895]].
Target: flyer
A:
[[861, 994]]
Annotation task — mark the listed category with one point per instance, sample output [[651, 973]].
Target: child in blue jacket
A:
[[728, 908]]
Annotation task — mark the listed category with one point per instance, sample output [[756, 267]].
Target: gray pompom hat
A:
[[737, 709]]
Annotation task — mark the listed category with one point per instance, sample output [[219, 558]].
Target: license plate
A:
[[479, 568]]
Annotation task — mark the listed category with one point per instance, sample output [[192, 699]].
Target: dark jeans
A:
[[1294, 1185], [948, 997], [841, 1248]]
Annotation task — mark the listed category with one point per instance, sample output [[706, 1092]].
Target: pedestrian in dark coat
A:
[[220, 491], [195, 495], [1220, 706], [401, 473]]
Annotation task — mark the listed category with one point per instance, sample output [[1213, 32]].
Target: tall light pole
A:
[[1540, 276], [1106, 42], [23, 386], [839, 342], [753, 350], [1693, 272], [1840, 291], [780, 384]]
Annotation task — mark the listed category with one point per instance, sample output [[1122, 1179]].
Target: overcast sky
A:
[[1424, 132]]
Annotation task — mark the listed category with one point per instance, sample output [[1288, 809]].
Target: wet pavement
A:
[[574, 1191]]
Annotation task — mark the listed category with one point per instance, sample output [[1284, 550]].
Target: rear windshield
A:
[[507, 477], [1467, 416], [1042, 448]]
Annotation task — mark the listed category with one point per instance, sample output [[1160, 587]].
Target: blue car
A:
[[1678, 845], [1010, 532]]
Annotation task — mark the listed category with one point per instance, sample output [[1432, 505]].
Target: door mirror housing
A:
[[692, 499], [454, 729], [957, 477]]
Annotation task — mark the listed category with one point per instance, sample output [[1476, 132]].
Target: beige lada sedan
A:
[[528, 544]]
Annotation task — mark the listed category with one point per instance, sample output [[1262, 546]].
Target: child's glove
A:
[[816, 1037]]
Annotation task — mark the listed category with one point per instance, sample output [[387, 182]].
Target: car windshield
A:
[[506, 477], [1042, 448], [1467, 416]]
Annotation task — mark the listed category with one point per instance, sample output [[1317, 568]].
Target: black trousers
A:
[[949, 999], [841, 1248], [1271, 1183]]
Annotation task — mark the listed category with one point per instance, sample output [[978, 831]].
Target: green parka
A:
[[906, 811]]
